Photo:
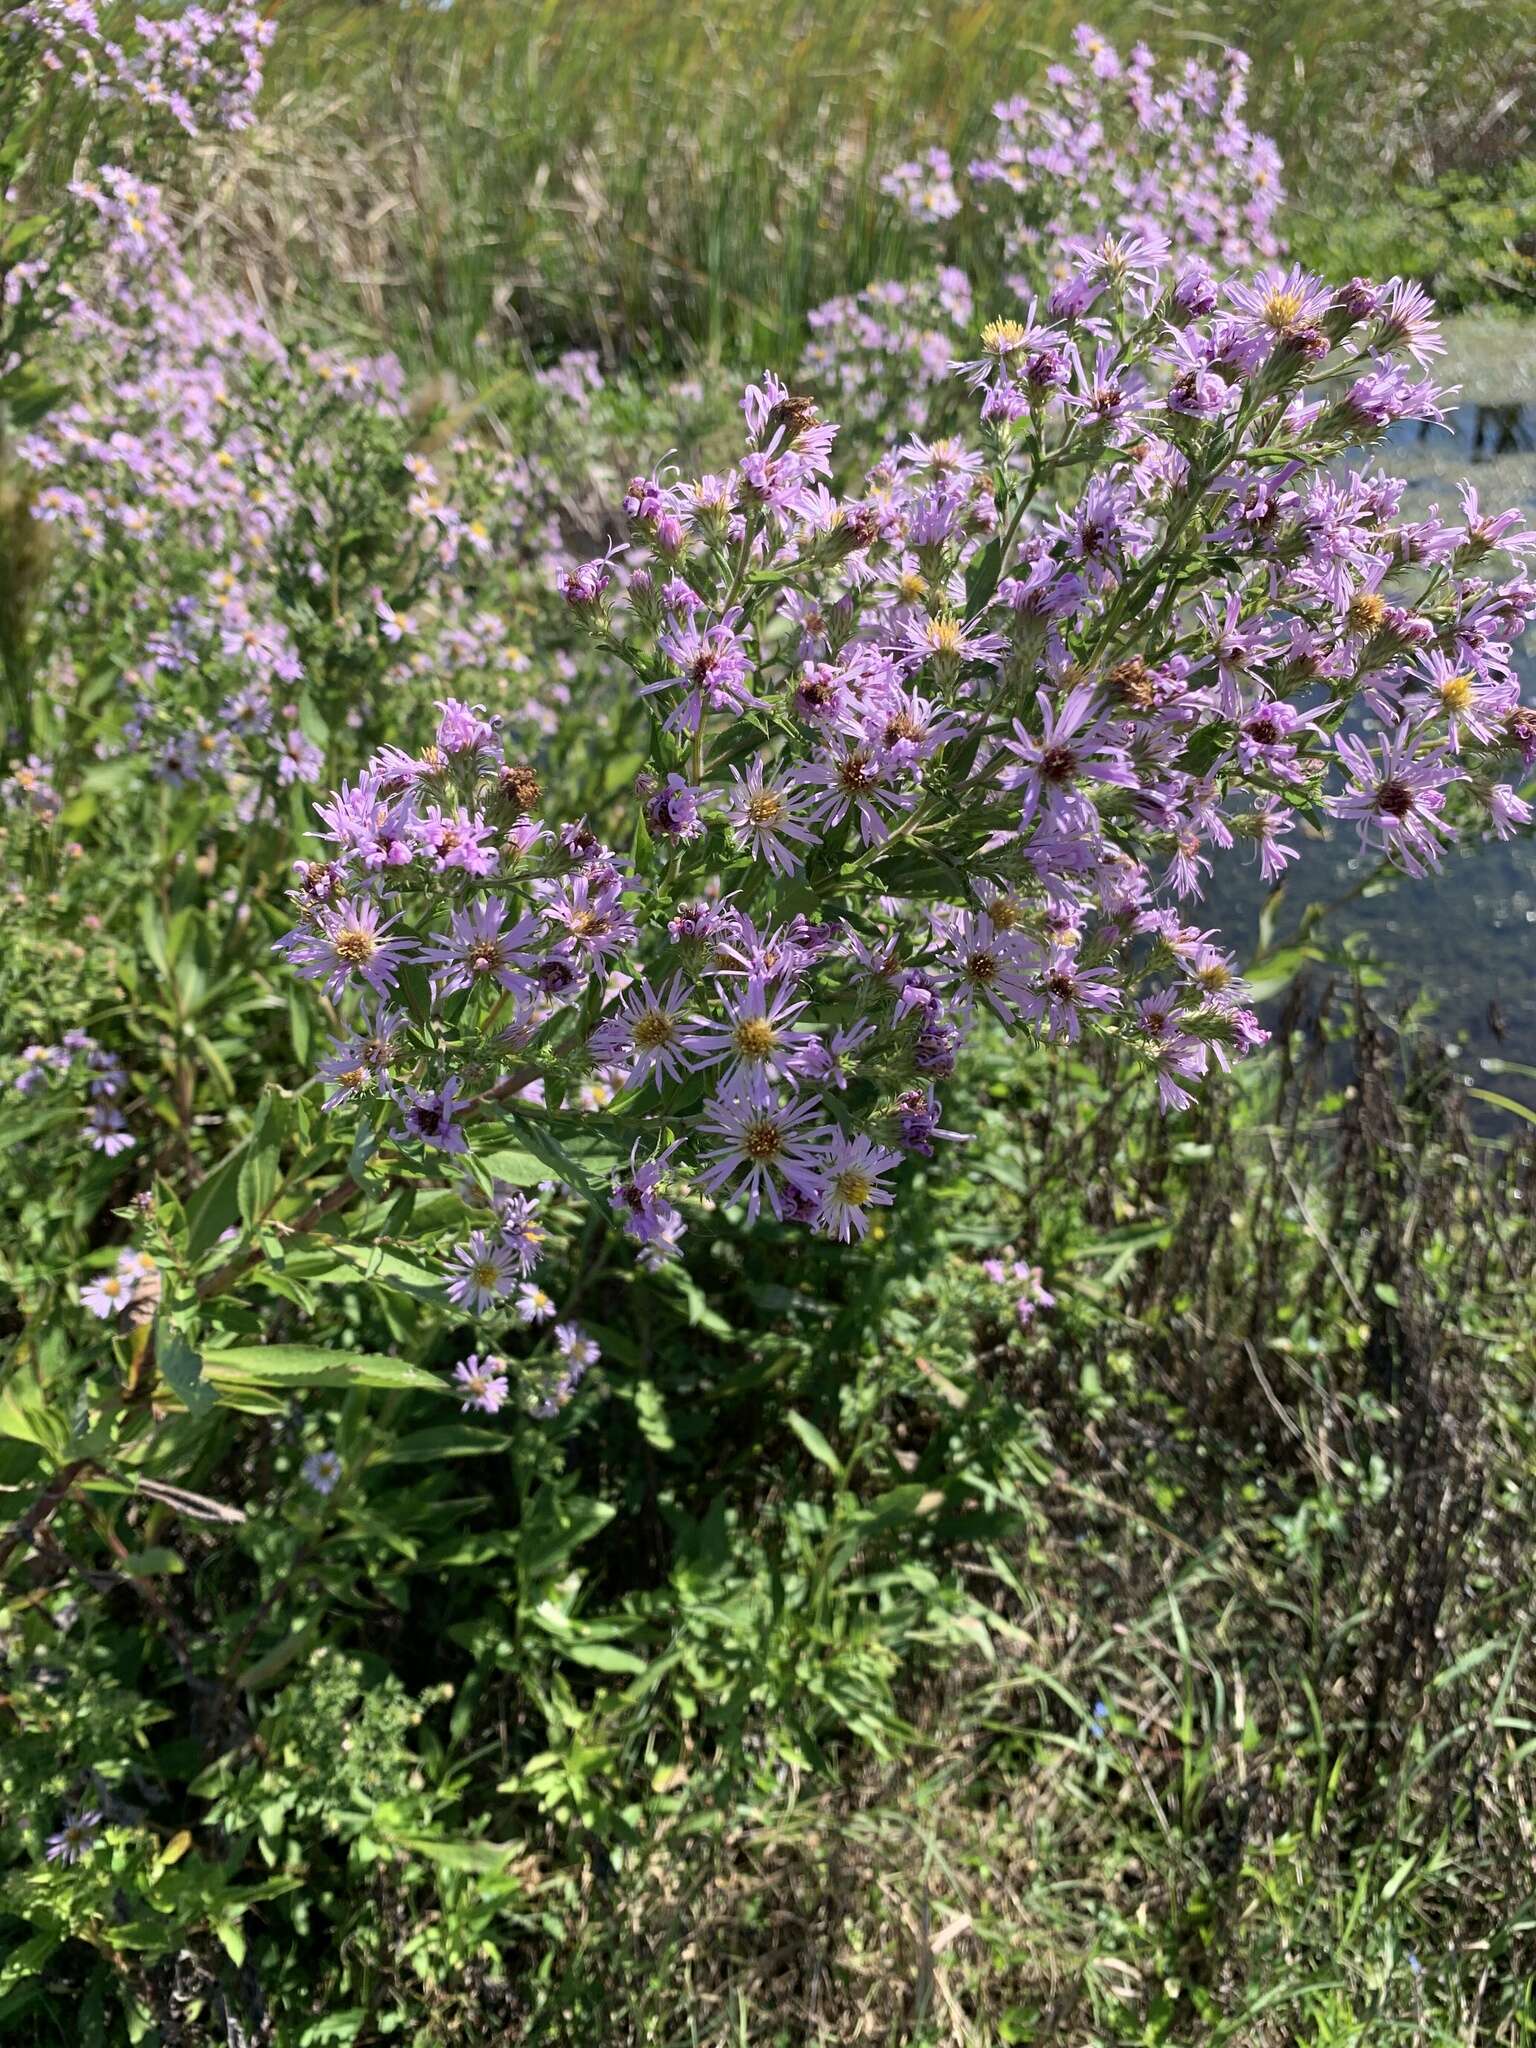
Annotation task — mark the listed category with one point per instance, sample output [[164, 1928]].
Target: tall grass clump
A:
[[698, 177]]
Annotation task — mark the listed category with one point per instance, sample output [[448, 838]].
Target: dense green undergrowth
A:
[[852, 1663]]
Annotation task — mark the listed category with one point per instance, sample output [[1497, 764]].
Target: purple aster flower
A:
[[108, 1131], [1508, 812], [576, 1351], [851, 1183], [1195, 389], [76, 1838], [1468, 699], [644, 1211], [522, 1233], [824, 1060], [649, 1034], [483, 1383], [764, 817], [854, 778], [759, 1039], [479, 1272], [108, 1296], [1271, 826], [1395, 796], [584, 588], [713, 664], [1278, 303], [365, 1058], [771, 1142], [1406, 319], [321, 1470], [348, 944], [1075, 746], [1103, 529], [981, 962], [482, 951], [575, 1346], [673, 812], [1269, 738], [595, 923], [916, 1122], [1063, 989], [533, 1305], [946, 644], [456, 839], [431, 1117]]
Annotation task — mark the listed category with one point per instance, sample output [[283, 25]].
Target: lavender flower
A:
[[483, 1383], [76, 1838]]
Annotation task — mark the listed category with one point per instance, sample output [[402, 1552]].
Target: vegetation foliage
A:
[[469, 1575]]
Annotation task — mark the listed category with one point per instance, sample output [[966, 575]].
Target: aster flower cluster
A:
[[1024, 1283], [77, 1054], [1111, 152], [881, 357], [30, 789], [198, 68], [960, 747], [132, 1290], [171, 77], [279, 596], [1115, 146], [484, 1380]]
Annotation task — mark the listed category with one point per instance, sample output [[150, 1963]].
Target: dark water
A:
[[1464, 941]]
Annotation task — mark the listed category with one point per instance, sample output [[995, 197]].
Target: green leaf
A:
[[519, 1169], [214, 1207], [1507, 1102], [483, 1859], [152, 1563], [27, 1959], [815, 1443], [182, 1369], [554, 1525], [449, 1440], [651, 1413], [26, 1417], [981, 577], [604, 1657], [1274, 972], [308, 1365], [257, 1186]]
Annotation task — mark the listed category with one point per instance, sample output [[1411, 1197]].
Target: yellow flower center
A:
[[754, 1038], [1456, 692], [999, 337], [853, 1187], [354, 943], [1366, 611]]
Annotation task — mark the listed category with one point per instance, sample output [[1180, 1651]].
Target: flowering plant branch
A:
[[960, 743]]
